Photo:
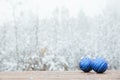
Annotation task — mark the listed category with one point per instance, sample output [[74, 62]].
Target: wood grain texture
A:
[[59, 75]]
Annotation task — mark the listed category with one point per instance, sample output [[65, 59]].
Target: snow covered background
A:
[[56, 34]]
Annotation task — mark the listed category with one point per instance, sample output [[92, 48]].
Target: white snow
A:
[[59, 40]]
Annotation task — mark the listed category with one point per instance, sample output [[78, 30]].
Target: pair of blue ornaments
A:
[[99, 65]]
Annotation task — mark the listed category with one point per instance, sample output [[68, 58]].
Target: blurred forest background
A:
[[59, 41]]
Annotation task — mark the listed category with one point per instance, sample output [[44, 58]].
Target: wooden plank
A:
[[59, 75]]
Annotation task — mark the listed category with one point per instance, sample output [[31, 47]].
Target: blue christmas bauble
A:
[[99, 65], [85, 64]]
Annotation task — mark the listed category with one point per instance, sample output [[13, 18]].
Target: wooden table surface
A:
[[59, 75]]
